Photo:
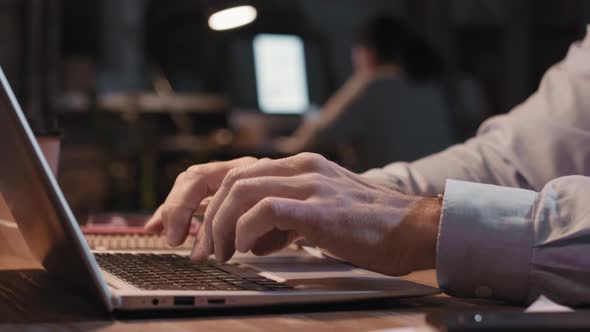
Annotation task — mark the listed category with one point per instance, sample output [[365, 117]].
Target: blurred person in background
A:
[[392, 108]]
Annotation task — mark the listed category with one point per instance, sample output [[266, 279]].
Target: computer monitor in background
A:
[[281, 74], [277, 74]]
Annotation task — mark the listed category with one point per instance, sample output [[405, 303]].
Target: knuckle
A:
[[209, 214], [309, 156], [241, 187], [193, 169], [312, 161], [233, 175], [194, 172], [248, 159], [264, 161], [179, 177], [269, 206]]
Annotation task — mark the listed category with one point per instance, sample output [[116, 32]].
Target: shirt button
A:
[[483, 292]]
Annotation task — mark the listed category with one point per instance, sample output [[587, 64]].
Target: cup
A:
[[50, 146], [49, 139]]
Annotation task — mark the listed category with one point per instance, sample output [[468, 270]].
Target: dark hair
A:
[[393, 42]]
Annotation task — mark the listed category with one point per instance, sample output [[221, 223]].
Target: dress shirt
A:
[[532, 235]]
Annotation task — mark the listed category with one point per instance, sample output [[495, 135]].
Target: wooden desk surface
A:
[[27, 305], [31, 302]]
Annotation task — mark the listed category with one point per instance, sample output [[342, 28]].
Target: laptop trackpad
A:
[[311, 273]]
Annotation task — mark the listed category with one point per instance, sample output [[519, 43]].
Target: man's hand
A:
[[264, 205]]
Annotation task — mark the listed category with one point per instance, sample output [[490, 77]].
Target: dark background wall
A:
[[505, 44], [10, 34]]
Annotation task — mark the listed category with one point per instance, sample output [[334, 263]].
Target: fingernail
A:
[[149, 224], [198, 254], [174, 237]]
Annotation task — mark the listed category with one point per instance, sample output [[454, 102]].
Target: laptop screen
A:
[[37, 205]]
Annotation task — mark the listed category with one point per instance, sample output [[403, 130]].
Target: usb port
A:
[[216, 301], [184, 300]]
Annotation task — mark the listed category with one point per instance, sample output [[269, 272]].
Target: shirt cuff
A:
[[485, 241]]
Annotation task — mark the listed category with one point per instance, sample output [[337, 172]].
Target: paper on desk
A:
[[543, 304]]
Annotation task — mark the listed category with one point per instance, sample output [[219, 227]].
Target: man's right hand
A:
[[264, 205]]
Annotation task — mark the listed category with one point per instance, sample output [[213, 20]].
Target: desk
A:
[[41, 306], [35, 312]]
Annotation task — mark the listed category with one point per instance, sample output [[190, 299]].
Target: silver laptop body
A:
[[56, 241]]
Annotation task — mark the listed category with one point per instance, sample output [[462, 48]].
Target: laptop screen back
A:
[[38, 206]]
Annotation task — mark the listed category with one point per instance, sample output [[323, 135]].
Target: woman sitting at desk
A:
[[392, 108]]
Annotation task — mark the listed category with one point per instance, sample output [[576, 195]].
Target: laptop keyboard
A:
[[174, 272]]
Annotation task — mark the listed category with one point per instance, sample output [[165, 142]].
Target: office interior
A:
[[139, 90]]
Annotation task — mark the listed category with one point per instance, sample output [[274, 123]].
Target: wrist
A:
[[427, 212]]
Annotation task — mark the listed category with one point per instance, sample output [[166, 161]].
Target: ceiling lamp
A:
[[232, 17]]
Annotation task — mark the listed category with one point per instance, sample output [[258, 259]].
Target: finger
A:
[[154, 224], [246, 193], [203, 246], [284, 214], [296, 165], [177, 222], [189, 189], [299, 164]]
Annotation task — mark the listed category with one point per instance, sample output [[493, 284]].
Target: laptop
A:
[[140, 280]]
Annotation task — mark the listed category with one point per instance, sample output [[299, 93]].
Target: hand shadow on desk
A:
[[30, 296]]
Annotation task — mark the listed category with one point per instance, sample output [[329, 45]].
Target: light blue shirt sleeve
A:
[[515, 244]]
